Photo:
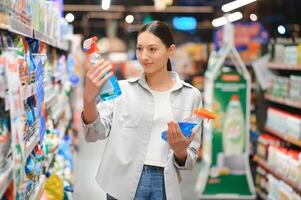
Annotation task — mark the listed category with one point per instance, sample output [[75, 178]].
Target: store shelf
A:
[[18, 27], [62, 128], [29, 90], [50, 41], [282, 66], [5, 179], [284, 137], [32, 143], [57, 115], [287, 102], [15, 26], [49, 161], [261, 194], [50, 100], [40, 188], [44, 38], [265, 166]]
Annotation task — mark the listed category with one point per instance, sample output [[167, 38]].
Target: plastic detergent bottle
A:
[[233, 129], [110, 89], [192, 123]]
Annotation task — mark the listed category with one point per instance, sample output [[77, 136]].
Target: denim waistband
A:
[[151, 167]]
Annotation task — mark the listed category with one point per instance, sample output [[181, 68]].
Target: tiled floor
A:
[[86, 164]]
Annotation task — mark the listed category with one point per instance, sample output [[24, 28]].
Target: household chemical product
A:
[[110, 89], [233, 128], [193, 123]]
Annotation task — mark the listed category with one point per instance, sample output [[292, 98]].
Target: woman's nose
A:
[[144, 55]]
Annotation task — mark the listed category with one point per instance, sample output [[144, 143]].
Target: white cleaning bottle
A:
[[233, 128], [110, 89]]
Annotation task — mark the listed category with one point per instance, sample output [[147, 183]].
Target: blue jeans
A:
[[151, 184]]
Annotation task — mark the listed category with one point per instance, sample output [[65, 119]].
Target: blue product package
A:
[[185, 128]]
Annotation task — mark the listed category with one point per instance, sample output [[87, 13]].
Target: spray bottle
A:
[[110, 89], [193, 123]]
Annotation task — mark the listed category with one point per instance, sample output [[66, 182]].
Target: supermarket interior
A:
[[235, 62]]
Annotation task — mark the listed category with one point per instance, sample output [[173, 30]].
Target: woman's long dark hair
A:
[[162, 31]]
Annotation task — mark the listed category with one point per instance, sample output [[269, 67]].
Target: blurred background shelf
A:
[[266, 167], [286, 102], [287, 138]]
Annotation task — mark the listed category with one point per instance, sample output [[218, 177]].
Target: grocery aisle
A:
[[86, 165]]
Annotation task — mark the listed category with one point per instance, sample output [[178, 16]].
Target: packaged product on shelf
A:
[[5, 137], [279, 190], [264, 141], [295, 88], [299, 53], [284, 123], [291, 54]]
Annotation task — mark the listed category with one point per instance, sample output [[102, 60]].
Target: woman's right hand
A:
[[95, 80]]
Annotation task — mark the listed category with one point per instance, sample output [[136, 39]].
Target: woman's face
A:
[[152, 53]]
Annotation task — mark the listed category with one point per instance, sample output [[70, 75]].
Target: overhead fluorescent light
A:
[[105, 4], [228, 18], [235, 4]]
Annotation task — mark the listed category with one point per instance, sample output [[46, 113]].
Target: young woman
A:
[[137, 163]]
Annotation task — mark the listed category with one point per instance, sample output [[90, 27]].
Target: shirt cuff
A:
[[92, 124], [178, 164]]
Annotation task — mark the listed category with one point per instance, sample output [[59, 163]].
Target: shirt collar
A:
[[179, 83]]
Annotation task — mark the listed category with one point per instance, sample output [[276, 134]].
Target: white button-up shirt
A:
[[127, 123]]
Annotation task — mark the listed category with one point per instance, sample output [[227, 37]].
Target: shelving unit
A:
[[48, 162], [40, 189], [278, 99], [5, 178], [286, 102], [29, 90], [29, 139], [286, 138], [282, 66], [265, 166], [33, 142], [17, 27]]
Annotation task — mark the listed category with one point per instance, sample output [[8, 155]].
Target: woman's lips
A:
[[147, 64]]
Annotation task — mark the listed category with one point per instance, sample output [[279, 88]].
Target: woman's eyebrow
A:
[[149, 45]]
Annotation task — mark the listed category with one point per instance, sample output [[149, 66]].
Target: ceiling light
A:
[[129, 19], [228, 18], [69, 17], [281, 29], [235, 4], [253, 17], [105, 4]]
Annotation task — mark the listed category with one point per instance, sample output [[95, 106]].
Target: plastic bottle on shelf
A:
[[110, 89]]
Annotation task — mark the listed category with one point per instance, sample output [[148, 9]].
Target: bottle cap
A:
[[235, 97]]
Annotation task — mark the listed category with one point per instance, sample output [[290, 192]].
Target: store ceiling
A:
[[271, 13]]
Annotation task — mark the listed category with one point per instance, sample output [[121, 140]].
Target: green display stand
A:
[[225, 171]]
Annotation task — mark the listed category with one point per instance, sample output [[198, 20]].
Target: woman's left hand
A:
[[177, 141]]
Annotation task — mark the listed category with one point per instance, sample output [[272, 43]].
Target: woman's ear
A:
[[171, 50]]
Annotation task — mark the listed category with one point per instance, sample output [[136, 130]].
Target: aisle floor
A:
[[86, 165]]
